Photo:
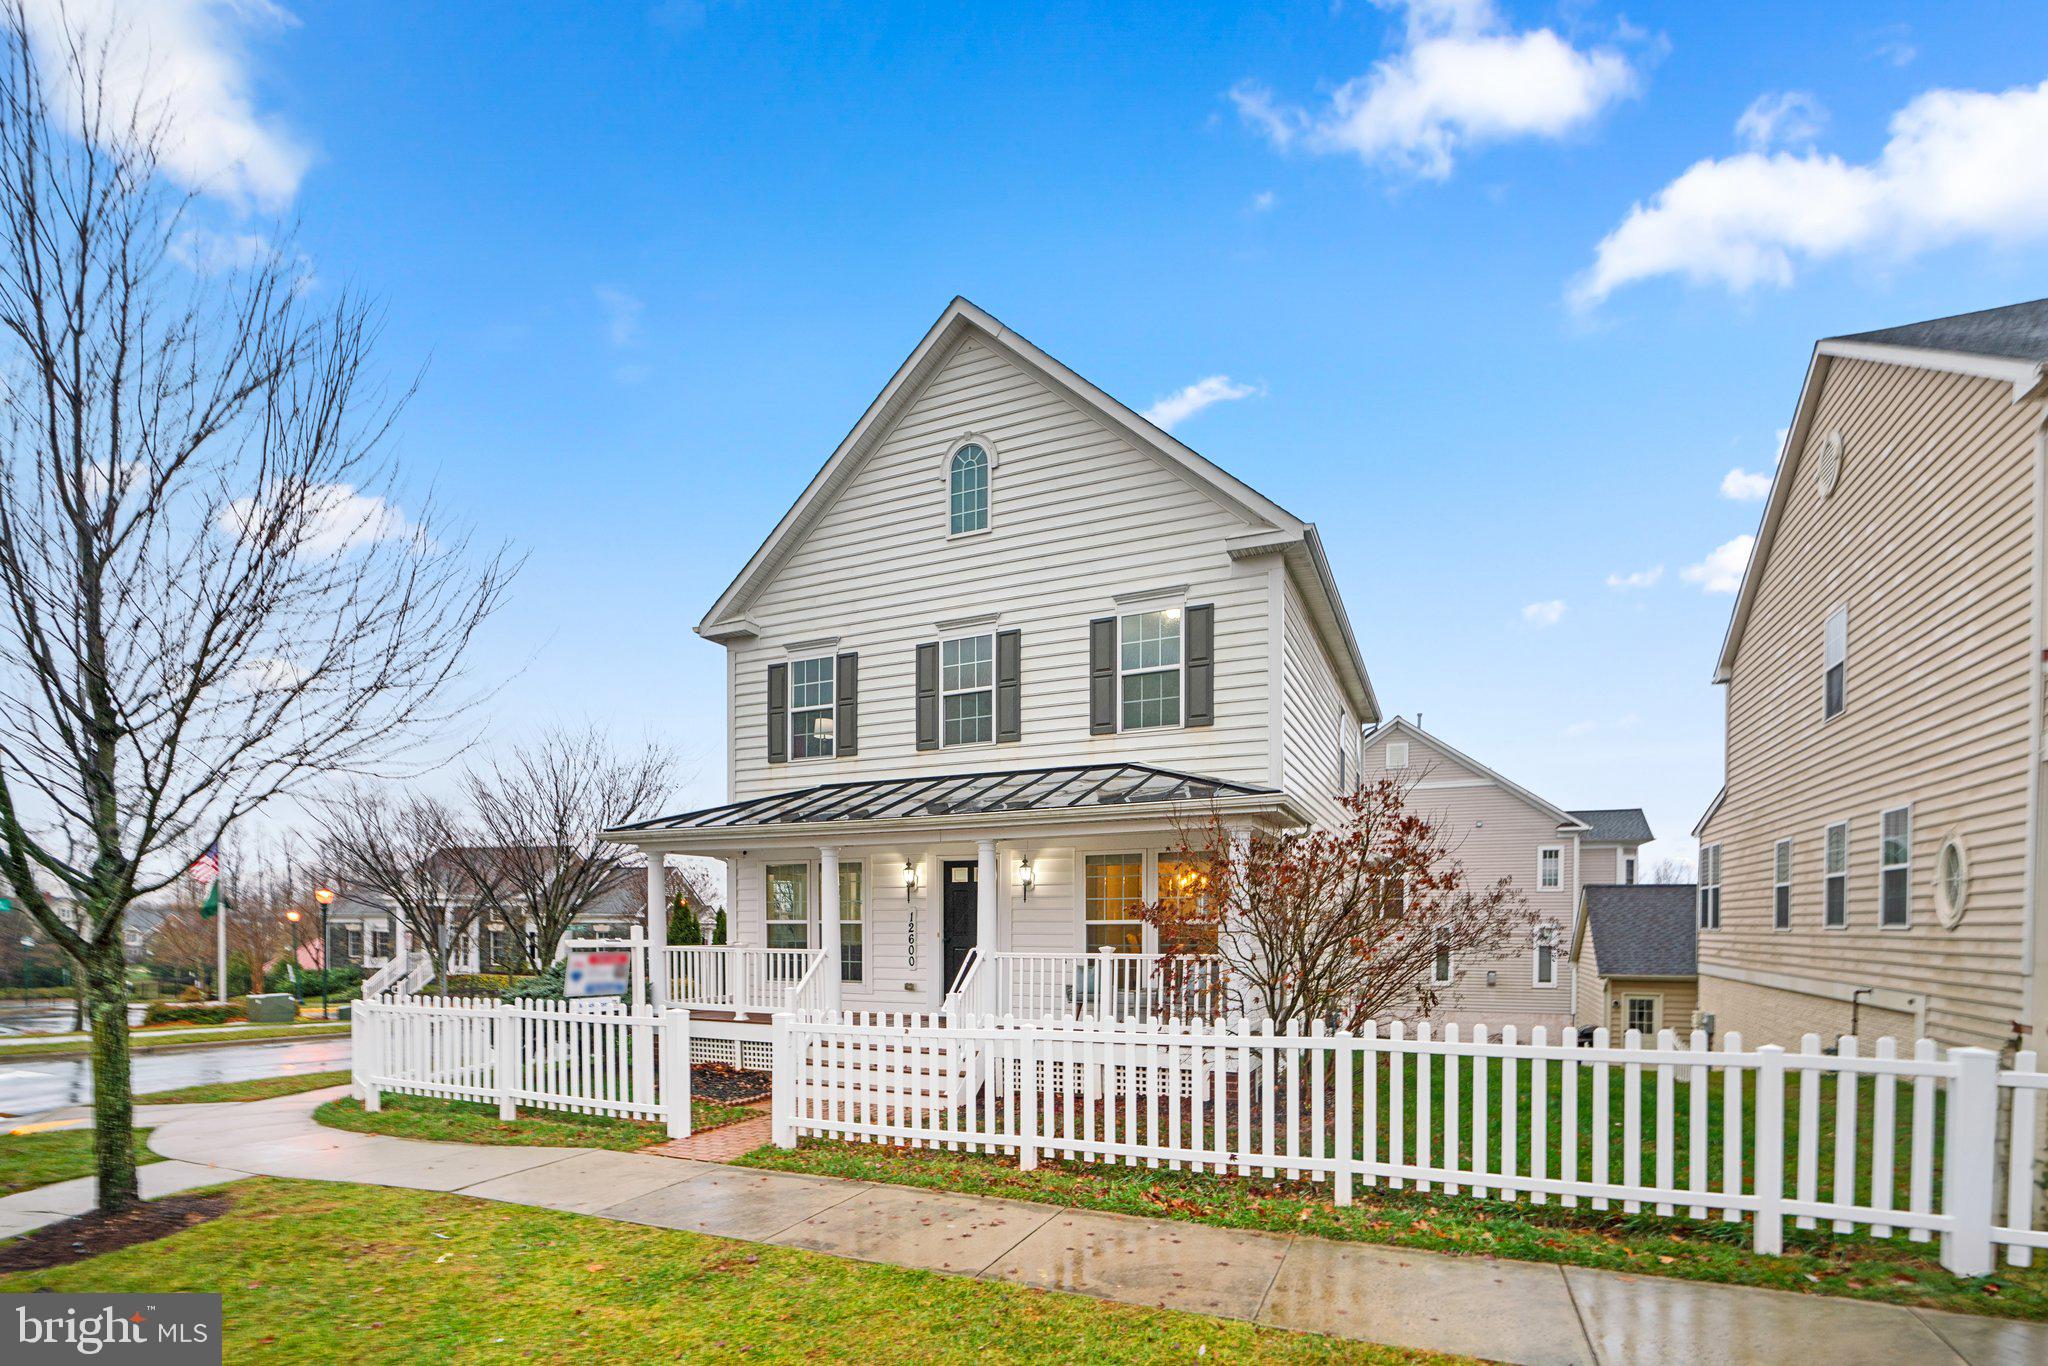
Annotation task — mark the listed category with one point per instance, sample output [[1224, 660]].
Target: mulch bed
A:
[[730, 1085], [88, 1235]]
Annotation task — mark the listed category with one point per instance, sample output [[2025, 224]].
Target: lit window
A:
[[1835, 679], [1781, 886], [1546, 955], [967, 696], [789, 906], [1835, 908], [1149, 665], [852, 923], [967, 487], [1184, 889], [1710, 887], [1550, 868], [1896, 862], [810, 707], [1115, 890]]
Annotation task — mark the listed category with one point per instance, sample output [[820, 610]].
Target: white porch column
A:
[[828, 921], [657, 929], [985, 900], [402, 941]]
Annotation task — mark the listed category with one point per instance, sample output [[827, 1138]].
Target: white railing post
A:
[[505, 1024], [1770, 1150], [363, 1030], [1969, 1162], [782, 1076], [675, 1082], [1027, 1088]]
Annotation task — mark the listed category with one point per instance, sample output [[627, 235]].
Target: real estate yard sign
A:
[[599, 972]]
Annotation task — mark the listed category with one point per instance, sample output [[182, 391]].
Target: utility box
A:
[[273, 1008]]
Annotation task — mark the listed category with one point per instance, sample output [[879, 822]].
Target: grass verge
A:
[[259, 1088], [142, 1040], [466, 1121], [318, 1272], [1894, 1271], [31, 1160]]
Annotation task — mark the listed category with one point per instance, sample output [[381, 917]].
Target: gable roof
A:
[[1400, 725], [1616, 825], [2008, 344], [1273, 530], [1642, 930]]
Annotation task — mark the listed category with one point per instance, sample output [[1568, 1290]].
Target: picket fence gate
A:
[[1882, 1143], [593, 1058]]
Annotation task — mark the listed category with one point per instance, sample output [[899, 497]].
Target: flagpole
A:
[[220, 940]]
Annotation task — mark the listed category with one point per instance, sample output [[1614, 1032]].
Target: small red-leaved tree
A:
[[1342, 925]]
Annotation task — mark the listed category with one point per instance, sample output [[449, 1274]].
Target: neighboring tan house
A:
[[1497, 829], [1004, 643], [1876, 850], [1635, 960]]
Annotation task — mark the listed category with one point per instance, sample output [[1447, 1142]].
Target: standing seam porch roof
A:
[[1068, 787]]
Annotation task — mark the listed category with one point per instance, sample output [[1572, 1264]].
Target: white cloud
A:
[[1893, 45], [1580, 728], [334, 519], [187, 62], [1461, 78], [1640, 578], [1721, 571], [1959, 166], [621, 314], [1176, 408], [1262, 201], [1544, 613], [1743, 486], [266, 675], [1789, 118]]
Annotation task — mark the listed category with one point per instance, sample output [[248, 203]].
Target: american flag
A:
[[206, 867]]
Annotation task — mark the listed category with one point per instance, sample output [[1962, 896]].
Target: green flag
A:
[[210, 907]]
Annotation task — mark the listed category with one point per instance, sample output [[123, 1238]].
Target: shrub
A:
[[195, 992], [549, 986], [202, 1013], [479, 983]]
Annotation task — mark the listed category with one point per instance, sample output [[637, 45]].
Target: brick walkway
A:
[[719, 1145]]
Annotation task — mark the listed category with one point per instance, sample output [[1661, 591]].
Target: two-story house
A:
[[1497, 829], [1004, 644], [1873, 863]]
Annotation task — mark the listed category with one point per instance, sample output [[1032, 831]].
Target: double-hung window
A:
[[1184, 887], [1546, 955], [852, 922], [1710, 886], [1550, 868], [1628, 869], [1115, 890], [967, 690], [810, 707], [1781, 886], [1835, 679], [1441, 970], [1149, 668], [1834, 913], [967, 491], [1894, 910], [789, 906]]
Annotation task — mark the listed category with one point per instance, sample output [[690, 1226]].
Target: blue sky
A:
[[656, 259]]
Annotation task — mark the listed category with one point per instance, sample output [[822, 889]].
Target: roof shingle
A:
[[1644, 929], [1619, 825], [2016, 331]]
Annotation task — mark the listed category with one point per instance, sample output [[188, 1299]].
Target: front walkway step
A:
[[719, 1145]]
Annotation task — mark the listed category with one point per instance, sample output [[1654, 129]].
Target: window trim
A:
[[789, 707], [859, 866], [1827, 668], [1628, 870], [1709, 917], [988, 492], [1450, 961], [944, 692], [1179, 668], [1905, 868], [1541, 851], [1147, 875], [1829, 876], [1781, 885], [1656, 1000], [1546, 936]]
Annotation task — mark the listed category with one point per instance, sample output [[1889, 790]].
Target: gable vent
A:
[[1397, 754], [1828, 468]]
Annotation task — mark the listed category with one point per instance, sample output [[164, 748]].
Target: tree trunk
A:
[[106, 992]]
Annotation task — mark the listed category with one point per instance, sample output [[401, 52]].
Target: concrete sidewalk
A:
[[1508, 1311]]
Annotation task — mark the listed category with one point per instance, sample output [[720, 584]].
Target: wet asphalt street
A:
[[36, 1084]]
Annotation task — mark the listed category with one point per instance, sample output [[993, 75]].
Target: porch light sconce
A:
[[909, 879], [1025, 877]]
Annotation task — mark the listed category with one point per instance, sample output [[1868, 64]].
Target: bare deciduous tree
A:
[[542, 810], [209, 595], [1340, 925], [405, 853], [1670, 871]]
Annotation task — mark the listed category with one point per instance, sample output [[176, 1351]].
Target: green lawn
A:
[[464, 1121], [260, 1088], [31, 1160], [317, 1272], [150, 1040]]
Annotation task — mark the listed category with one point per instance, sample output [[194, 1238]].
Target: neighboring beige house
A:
[[1004, 641], [1874, 857], [1500, 829], [1635, 959]]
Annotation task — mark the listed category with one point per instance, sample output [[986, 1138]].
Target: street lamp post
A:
[[293, 916], [27, 947], [325, 896]]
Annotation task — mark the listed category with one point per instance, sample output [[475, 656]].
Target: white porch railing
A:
[[402, 976], [746, 980], [1135, 987]]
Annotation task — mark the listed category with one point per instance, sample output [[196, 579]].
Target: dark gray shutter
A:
[[846, 707], [928, 696], [1201, 708], [1102, 676], [778, 713], [1009, 686]]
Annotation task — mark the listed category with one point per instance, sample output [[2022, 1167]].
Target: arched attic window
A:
[[967, 490]]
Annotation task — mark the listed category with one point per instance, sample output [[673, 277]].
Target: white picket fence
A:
[[594, 1058], [1881, 1143]]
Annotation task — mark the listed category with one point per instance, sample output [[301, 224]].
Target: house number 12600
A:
[[913, 936]]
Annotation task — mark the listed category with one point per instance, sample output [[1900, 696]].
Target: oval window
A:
[[1951, 882]]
